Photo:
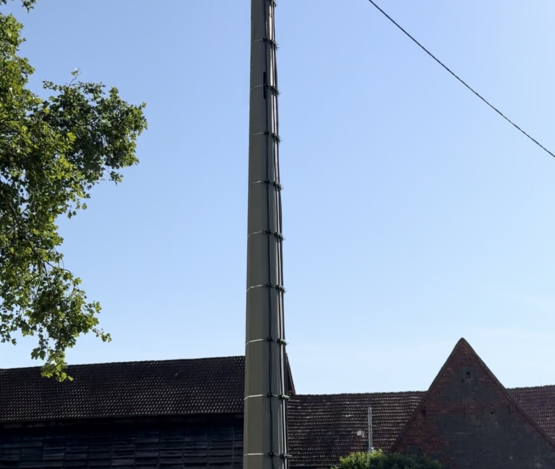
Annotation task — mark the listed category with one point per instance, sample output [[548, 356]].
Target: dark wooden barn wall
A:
[[144, 443]]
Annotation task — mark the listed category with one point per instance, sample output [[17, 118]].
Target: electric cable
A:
[[462, 81], [273, 142], [283, 343]]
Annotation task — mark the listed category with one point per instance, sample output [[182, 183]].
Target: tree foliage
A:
[[26, 3], [52, 152], [380, 460]]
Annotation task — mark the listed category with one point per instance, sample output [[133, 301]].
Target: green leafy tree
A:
[[52, 152], [380, 460]]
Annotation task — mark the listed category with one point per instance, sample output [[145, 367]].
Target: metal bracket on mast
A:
[[272, 43]]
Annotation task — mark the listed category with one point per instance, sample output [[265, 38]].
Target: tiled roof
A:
[[324, 427], [539, 404], [197, 386], [321, 427]]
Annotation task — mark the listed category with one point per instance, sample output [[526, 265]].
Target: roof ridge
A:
[[340, 394], [531, 387], [131, 361]]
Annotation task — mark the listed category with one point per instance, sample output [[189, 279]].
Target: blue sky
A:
[[413, 214]]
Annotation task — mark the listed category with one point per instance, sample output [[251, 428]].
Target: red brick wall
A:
[[467, 420]]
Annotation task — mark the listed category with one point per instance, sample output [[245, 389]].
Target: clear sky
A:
[[413, 214]]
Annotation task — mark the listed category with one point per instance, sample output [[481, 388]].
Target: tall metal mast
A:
[[265, 426]]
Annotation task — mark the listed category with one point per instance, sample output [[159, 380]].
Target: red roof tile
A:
[[324, 427], [539, 404], [198, 386]]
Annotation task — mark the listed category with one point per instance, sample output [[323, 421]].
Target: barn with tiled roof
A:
[[188, 414]]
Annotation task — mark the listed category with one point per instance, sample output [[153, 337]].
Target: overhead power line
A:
[[462, 81]]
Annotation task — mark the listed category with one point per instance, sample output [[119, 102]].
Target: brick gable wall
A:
[[468, 420]]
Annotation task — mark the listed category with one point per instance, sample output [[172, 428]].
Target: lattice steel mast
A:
[[265, 435]]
